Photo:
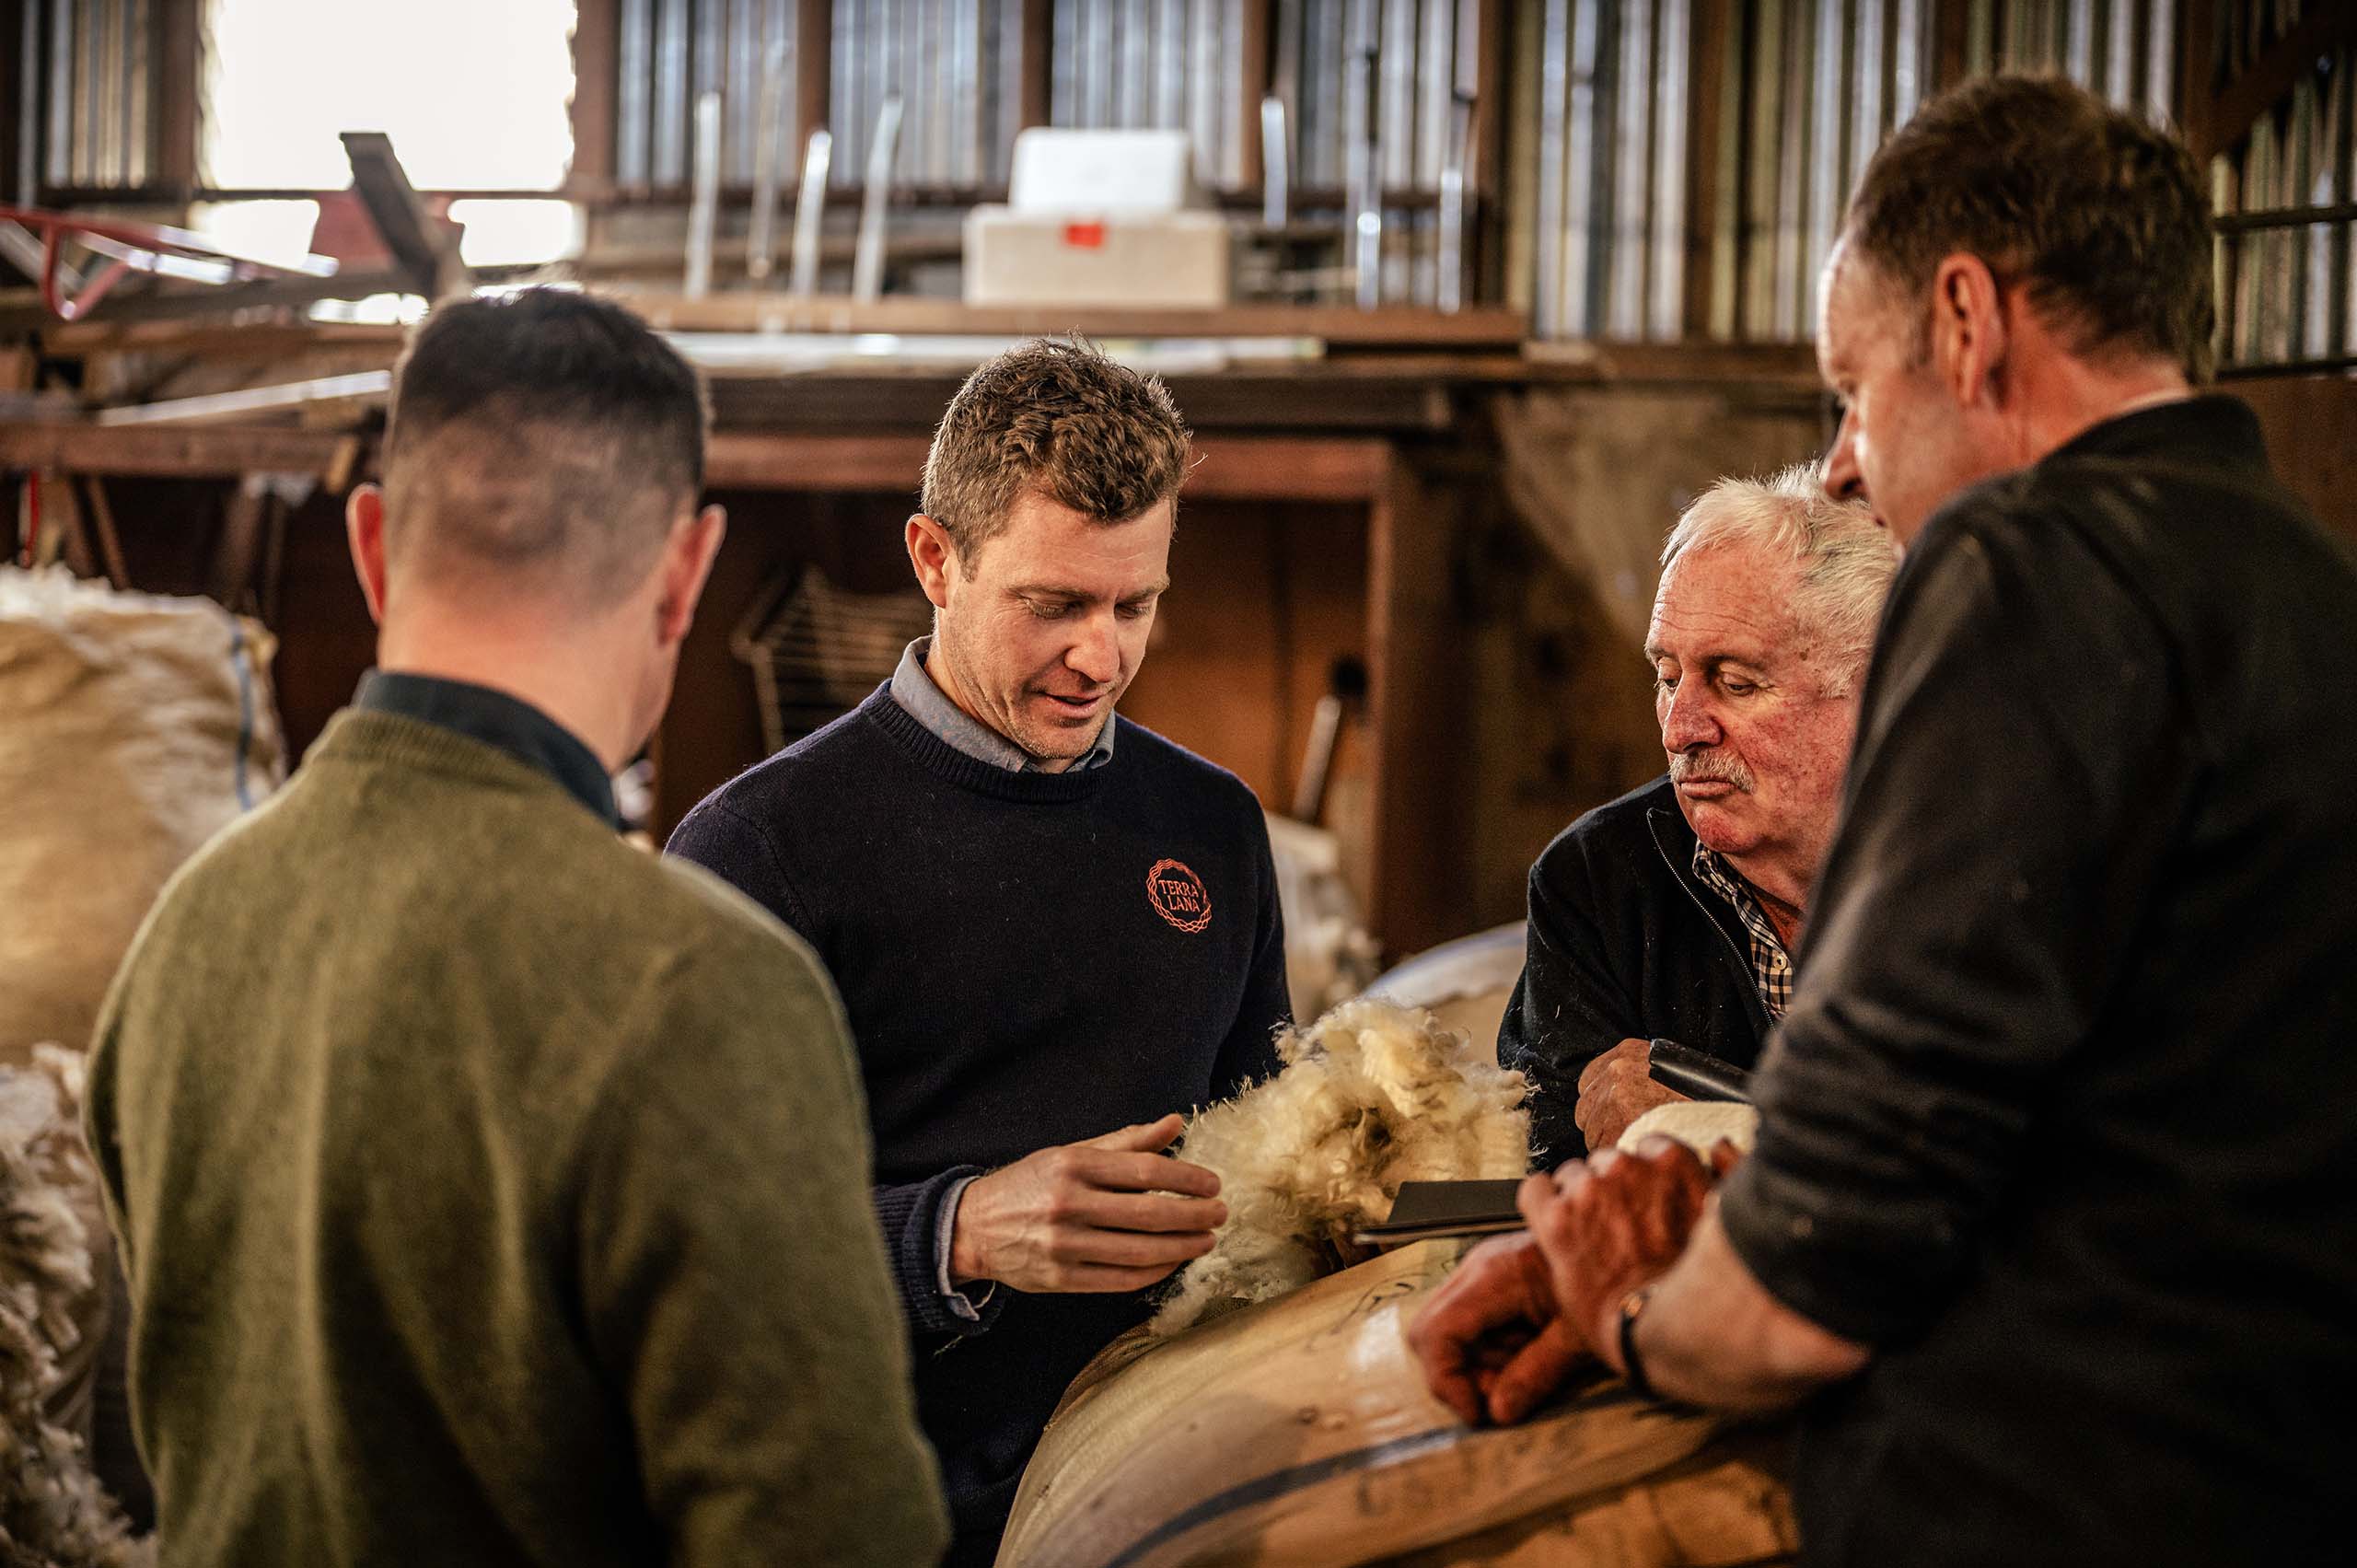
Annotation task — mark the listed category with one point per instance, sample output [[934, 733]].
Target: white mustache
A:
[[1694, 767]]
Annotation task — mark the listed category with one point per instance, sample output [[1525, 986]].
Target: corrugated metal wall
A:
[[671, 52], [1155, 64], [1806, 90], [2288, 292], [950, 64], [90, 114]]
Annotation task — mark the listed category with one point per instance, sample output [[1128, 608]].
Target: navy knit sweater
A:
[[1028, 959]]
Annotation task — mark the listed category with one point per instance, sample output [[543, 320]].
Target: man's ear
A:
[[1969, 333], [687, 562], [935, 556], [363, 530]]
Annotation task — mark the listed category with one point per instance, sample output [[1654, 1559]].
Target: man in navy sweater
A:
[[1053, 930]]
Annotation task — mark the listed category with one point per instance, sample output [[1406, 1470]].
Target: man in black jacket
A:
[[2051, 1215], [1671, 914]]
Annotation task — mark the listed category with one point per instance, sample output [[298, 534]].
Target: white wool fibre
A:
[[1701, 1125], [1371, 1095]]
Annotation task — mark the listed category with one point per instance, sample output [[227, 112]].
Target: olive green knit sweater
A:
[[493, 1193]]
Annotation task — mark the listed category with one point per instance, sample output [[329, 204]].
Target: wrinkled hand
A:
[[1611, 1223], [1109, 1215], [1615, 1091], [1491, 1343]]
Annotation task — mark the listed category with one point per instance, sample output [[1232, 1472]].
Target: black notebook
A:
[[1428, 1209]]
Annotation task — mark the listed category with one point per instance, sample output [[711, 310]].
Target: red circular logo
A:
[[1178, 896]]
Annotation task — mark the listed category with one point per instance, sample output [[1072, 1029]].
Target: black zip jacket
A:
[[1626, 943], [2063, 1118]]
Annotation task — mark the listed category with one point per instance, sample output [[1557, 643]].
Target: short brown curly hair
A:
[[1053, 416], [2104, 216]]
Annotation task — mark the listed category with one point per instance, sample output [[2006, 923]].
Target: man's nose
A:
[[1096, 654], [1688, 722], [1844, 481]]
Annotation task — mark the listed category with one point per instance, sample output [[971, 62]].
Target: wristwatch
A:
[[1632, 1369]]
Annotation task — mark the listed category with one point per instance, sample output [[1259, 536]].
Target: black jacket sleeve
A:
[[2023, 752], [1567, 1009]]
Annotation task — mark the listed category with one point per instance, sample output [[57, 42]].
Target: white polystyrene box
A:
[[1101, 171], [1149, 260]]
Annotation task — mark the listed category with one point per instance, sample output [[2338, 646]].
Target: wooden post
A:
[[1951, 43], [2196, 81], [1706, 110], [1259, 22], [180, 65], [1035, 66], [12, 65], [1485, 237], [814, 57], [1420, 887], [597, 62]]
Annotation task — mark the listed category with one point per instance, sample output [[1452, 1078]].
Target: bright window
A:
[[472, 92]]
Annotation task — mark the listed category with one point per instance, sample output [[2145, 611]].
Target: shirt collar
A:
[[914, 691], [1724, 880], [2204, 429], [499, 720]]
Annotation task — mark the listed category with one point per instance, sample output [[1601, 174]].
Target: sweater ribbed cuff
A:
[[910, 1214]]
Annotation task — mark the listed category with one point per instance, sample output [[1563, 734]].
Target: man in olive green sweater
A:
[[492, 1191]]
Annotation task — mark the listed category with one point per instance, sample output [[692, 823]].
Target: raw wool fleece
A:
[[1371, 1095], [53, 1511]]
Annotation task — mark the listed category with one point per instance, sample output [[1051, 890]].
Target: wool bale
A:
[[1299, 1431], [52, 1511], [135, 728]]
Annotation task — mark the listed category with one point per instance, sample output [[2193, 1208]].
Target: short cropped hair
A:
[[544, 440], [2104, 216], [1845, 558], [1056, 416]]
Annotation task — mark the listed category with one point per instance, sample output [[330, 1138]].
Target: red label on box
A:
[[1085, 236]]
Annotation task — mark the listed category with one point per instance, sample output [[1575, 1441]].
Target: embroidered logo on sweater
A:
[[1178, 896]]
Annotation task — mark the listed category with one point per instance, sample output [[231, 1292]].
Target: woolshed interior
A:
[[1088, 782]]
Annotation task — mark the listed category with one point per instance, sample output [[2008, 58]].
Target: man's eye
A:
[[1734, 687], [1046, 611], [1131, 610], [1664, 683]]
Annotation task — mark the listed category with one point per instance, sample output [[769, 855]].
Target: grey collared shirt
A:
[[913, 689], [922, 700]]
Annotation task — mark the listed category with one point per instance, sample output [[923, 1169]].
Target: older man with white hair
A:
[[1672, 914]]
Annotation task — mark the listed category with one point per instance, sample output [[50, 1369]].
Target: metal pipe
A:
[[1625, 269], [867, 256], [704, 211], [1448, 289], [28, 110], [669, 158], [1275, 158], [768, 152], [810, 211], [1582, 159], [1366, 194], [747, 90], [1671, 153], [1554, 86], [139, 95], [60, 96], [635, 66], [1435, 84]]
